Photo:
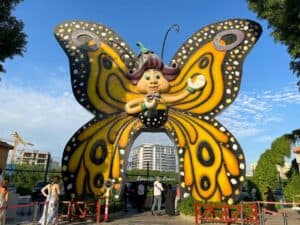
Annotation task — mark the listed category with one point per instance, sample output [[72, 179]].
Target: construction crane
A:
[[16, 141]]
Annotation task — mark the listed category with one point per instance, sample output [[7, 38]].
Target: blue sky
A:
[[35, 92]]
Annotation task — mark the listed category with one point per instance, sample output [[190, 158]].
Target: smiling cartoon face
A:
[[153, 82]]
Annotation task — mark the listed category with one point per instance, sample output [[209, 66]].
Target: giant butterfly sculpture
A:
[[129, 94]]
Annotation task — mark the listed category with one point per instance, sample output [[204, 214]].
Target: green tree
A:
[[12, 37], [24, 179], [292, 188], [284, 19], [266, 173]]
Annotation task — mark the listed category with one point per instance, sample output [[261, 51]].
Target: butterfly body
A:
[[153, 118], [130, 94]]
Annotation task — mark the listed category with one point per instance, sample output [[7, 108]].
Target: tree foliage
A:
[[12, 37], [284, 19], [292, 189], [25, 180], [266, 173]]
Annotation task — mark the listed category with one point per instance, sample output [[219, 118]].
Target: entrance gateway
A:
[[129, 94]]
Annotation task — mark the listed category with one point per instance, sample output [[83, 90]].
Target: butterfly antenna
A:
[[177, 28]]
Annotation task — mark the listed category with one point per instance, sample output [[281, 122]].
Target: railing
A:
[[31, 212], [82, 209], [245, 213], [278, 215], [33, 216], [257, 213]]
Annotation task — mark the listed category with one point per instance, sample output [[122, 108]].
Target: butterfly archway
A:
[[129, 94]]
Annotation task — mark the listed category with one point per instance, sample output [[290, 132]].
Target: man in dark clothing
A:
[[170, 200], [270, 199]]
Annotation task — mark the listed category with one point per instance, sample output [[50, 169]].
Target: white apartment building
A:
[[33, 158], [162, 158]]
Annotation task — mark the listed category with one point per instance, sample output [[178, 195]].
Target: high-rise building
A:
[[157, 157], [33, 158]]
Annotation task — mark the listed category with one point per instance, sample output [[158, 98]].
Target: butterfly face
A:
[[153, 82], [129, 95]]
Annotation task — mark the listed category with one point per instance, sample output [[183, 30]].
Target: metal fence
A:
[[257, 213]]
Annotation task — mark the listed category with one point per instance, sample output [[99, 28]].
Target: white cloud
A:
[[286, 95], [252, 113], [46, 121], [264, 138]]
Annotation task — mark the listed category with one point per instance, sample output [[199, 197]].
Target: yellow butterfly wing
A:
[[94, 158], [212, 164], [99, 61], [216, 51], [211, 161]]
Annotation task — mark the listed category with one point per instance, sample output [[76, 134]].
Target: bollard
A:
[[242, 213], [106, 206], [98, 211]]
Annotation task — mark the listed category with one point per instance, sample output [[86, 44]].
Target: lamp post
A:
[[147, 172]]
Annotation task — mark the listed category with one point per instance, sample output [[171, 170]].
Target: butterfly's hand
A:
[[149, 103], [197, 84]]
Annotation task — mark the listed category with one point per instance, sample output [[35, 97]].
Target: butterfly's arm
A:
[[192, 86], [140, 104]]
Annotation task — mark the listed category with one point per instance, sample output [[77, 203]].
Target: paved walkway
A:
[[146, 218], [122, 218]]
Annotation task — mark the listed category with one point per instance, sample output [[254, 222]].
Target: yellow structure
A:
[[129, 94]]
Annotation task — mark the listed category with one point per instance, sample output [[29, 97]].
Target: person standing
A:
[[270, 201], [254, 194], [170, 200], [140, 196], [177, 199], [3, 201], [125, 198], [51, 192], [157, 190]]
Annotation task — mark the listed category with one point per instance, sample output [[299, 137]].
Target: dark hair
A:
[[55, 179], [151, 61]]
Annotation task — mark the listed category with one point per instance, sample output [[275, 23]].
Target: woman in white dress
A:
[[51, 192]]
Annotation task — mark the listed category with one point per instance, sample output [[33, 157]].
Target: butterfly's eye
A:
[[157, 76], [147, 77]]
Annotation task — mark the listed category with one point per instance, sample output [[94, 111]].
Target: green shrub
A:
[[116, 206], [292, 188], [24, 190], [187, 206]]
